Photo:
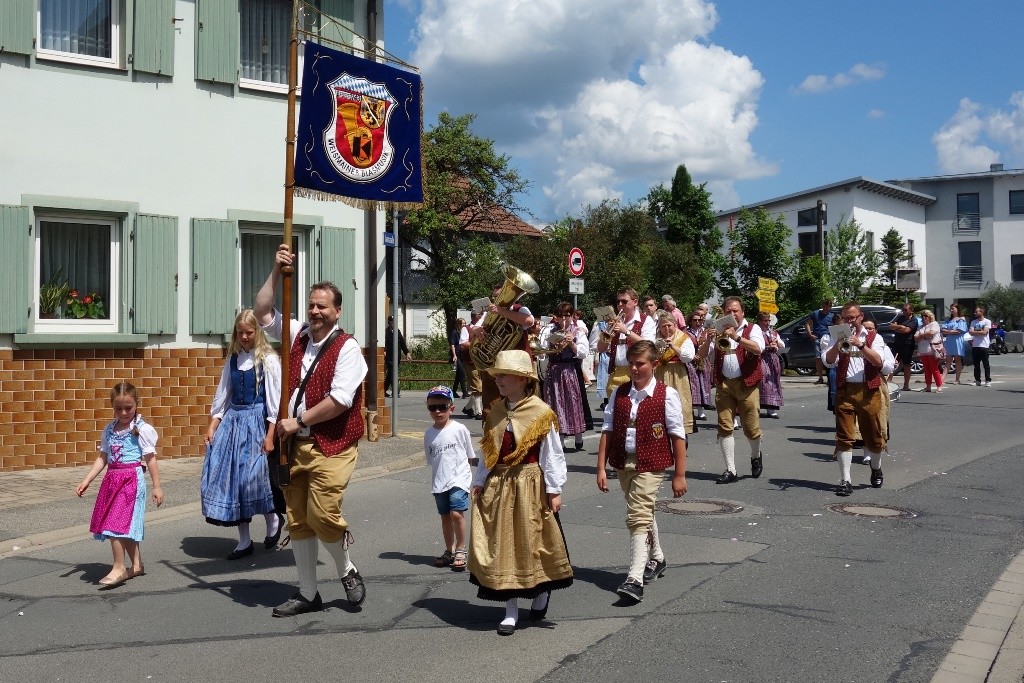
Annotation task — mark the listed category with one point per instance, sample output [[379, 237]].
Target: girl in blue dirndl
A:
[[236, 479]]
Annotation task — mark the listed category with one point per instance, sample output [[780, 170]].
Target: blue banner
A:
[[360, 131]]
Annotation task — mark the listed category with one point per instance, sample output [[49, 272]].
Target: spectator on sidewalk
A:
[[817, 327], [389, 355], [903, 345], [980, 341], [455, 340]]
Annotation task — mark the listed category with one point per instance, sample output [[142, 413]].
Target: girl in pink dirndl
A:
[[128, 448]]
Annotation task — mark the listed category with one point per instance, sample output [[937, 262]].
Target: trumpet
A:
[[661, 345], [723, 343], [849, 349], [554, 343]]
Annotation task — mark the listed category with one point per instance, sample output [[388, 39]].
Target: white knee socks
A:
[[638, 556], [243, 536], [272, 523], [655, 552], [728, 446], [876, 459], [339, 551], [511, 612], [305, 552], [755, 447], [845, 460]]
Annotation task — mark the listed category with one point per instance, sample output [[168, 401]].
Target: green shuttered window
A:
[[214, 275], [155, 282], [217, 40], [15, 262], [335, 261], [154, 37], [17, 26]]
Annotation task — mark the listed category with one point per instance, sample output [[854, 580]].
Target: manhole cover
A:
[[886, 511], [698, 507]]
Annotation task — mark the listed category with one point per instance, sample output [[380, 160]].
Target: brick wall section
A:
[[55, 403]]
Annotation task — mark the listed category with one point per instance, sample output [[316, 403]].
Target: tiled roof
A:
[[498, 221]]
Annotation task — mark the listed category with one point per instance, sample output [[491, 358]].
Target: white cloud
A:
[[975, 137], [597, 95], [858, 73], [876, 114]]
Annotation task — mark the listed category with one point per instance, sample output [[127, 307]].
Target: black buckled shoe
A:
[[757, 465], [876, 478], [506, 629], [654, 570], [632, 590], [539, 614], [270, 542], [355, 590], [726, 477], [844, 488], [299, 605], [239, 553]]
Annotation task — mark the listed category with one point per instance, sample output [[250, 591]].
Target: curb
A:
[[58, 537], [991, 647]]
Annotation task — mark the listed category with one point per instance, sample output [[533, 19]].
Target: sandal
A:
[[459, 560], [445, 560]]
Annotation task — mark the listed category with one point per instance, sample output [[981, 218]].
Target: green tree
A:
[[851, 260], [684, 213], [1003, 303], [465, 182], [892, 256], [805, 290], [759, 246], [623, 249]]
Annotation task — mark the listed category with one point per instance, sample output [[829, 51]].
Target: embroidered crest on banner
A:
[[356, 141], [658, 430]]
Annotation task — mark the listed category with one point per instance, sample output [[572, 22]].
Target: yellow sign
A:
[[765, 296], [767, 307], [767, 283]]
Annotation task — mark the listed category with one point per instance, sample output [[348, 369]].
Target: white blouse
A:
[[271, 384]]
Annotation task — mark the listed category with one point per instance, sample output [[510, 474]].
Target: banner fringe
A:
[[364, 204]]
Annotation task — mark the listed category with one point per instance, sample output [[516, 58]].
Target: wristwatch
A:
[[301, 423]]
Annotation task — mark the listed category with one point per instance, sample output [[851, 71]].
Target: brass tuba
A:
[[501, 333]]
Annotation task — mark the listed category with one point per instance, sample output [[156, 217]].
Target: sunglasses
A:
[[437, 407], [623, 301]]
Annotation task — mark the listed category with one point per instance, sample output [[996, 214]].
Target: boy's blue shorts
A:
[[453, 499]]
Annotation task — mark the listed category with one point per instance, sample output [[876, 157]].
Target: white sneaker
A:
[[988, 384]]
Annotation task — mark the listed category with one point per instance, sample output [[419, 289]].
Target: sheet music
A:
[[480, 305], [604, 312], [840, 332], [725, 321]]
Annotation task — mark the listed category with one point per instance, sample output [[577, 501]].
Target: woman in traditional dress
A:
[[698, 370], [517, 549], [563, 383], [677, 350], [235, 483], [771, 367]]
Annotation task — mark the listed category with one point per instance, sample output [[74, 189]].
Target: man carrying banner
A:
[[325, 422]]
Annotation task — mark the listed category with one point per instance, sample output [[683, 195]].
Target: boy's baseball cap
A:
[[441, 391]]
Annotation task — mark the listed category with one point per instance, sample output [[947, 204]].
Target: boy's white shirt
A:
[[448, 451]]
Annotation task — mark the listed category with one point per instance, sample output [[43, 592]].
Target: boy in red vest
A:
[[643, 434], [859, 387]]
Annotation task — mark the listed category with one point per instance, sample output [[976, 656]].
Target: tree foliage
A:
[[759, 246], [465, 180], [805, 290], [1003, 303], [623, 249], [851, 260], [684, 214], [892, 256]]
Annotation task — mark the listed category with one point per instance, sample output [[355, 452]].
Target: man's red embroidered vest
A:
[[653, 444], [635, 329], [750, 363], [332, 436], [872, 373]]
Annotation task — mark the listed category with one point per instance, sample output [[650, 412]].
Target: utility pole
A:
[[822, 216]]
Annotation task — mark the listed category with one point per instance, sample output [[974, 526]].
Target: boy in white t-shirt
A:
[[448, 447]]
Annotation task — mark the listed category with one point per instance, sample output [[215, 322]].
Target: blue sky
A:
[[594, 99]]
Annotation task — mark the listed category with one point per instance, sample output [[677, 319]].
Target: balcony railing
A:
[[967, 276], [967, 224]]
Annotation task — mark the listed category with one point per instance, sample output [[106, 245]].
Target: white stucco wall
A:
[[175, 147]]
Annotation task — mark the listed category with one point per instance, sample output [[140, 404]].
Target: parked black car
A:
[[801, 350]]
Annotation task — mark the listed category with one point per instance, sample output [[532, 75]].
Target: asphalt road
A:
[[782, 589]]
